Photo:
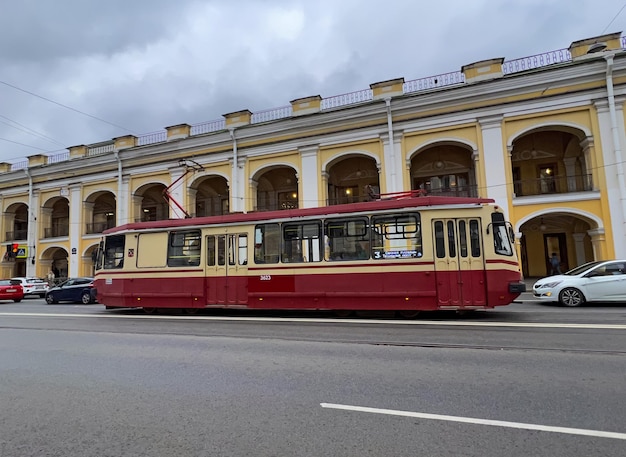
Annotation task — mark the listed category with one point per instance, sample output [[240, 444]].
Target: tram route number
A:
[[266, 277]]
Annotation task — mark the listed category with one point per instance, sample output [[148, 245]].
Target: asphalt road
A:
[[526, 379]]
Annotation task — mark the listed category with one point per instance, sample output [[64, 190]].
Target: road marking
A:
[[328, 320], [472, 420]]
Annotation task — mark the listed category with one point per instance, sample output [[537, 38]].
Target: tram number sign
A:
[[266, 277]]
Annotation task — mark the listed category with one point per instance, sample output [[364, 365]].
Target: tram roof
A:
[[391, 203]]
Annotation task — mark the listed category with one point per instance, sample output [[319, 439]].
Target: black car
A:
[[77, 290]]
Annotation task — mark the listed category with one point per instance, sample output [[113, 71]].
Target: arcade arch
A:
[[575, 236], [276, 188], [209, 196], [551, 159], [149, 204], [55, 215], [100, 212], [352, 178], [444, 168]]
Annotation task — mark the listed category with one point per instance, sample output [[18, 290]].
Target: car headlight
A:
[[550, 284]]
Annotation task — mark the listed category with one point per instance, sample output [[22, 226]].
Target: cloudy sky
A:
[[83, 71]]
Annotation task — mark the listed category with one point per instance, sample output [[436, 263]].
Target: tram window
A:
[[210, 251], [475, 238], [184, 248], [440, 244], [243, 249], [502, 241], [266, 243], [231, 249], [396, 236], [347, 239], [114, 252], [451, 239], [221, 250], [462, 239], [301, 242]]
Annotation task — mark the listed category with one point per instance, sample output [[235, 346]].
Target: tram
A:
[[405, 253]]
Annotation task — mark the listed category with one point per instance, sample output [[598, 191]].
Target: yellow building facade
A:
[[543, 136]]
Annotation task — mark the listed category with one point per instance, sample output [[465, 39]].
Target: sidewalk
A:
[[528, 295]]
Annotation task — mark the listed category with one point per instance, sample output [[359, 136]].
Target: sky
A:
[[76, 72]]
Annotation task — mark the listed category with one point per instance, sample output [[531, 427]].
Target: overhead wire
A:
[[613, 20], [64, 106], [28, 130]]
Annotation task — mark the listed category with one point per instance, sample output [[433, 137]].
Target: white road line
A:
[[471, 420], [329, 320]]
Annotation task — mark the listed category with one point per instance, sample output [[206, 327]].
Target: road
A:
[[526, 379]]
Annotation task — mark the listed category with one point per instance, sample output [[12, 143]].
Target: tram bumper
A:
[[517, 287]]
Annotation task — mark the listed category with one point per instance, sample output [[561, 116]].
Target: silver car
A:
[[599, 281]]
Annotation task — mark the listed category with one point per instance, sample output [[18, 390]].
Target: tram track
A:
[[300, 338]]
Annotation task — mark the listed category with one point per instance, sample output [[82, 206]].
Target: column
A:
[[589, 168], [324, 194], [614, 193], [253, 186], [598, 244], [136, 212], [88, 216], [122, 202], [392, 166], [237, 194], [309, 192], [177, 194], [496, 168], [579, 245], [570, 173], [191, 201], [76, 224]]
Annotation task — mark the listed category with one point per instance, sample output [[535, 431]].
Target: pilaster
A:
[[309, 184]]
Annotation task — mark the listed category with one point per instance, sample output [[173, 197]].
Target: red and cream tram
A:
[[402, 254]]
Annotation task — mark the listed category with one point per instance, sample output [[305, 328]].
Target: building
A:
[[542, 136]]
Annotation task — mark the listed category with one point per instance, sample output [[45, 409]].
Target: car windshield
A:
[[582, 268]]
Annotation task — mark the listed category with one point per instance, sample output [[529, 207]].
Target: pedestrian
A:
[[555, 263], [51, 278]]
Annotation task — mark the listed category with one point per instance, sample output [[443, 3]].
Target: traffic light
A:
[[14, 248]]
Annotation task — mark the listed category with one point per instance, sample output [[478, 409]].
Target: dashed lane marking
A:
[[473, 420]]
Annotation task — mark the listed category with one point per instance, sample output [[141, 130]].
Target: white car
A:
[[33, 286], [600, 281]]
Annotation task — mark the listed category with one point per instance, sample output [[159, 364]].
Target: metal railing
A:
[[56, 231], [98, 227], [16, 235], [555, 185], [351, 98]]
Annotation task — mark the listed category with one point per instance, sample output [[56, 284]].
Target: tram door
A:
[[459, 262], [227, 269]]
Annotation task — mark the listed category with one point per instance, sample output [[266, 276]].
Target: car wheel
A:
[[17, 300], [50, 299], [571, 297], [85, 298]]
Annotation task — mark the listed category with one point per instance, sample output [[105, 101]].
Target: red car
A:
[[11, 290]]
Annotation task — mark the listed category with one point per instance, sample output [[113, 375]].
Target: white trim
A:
[[546, 212]]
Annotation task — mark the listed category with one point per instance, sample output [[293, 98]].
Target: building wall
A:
[[492, 119]]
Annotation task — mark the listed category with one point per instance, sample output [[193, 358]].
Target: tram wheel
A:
[[343, 312], [409, 313], [191, 310], [150, 310]]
